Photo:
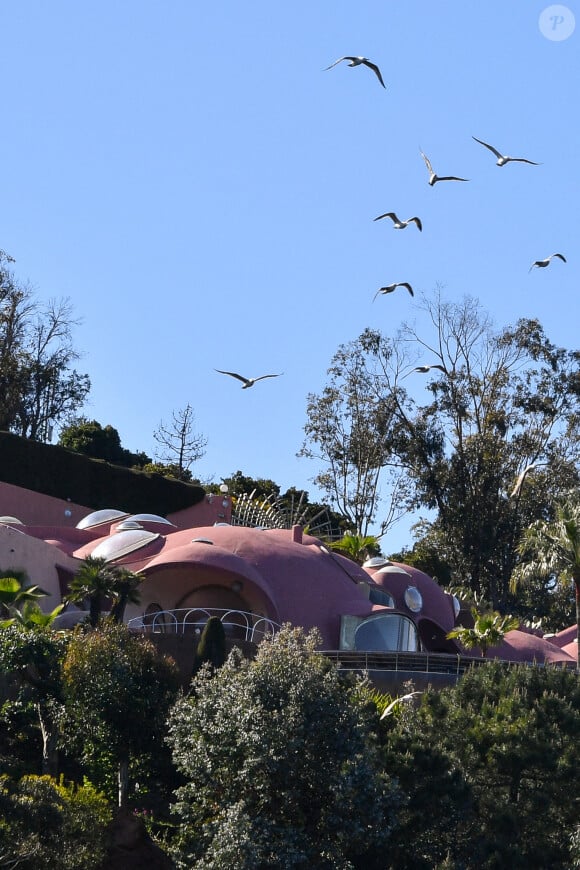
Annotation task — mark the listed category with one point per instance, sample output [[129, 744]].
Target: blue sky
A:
[[203, 191]]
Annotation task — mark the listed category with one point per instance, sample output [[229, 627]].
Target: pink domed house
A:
[[198, 563]]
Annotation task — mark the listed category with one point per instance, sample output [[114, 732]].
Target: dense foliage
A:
[[489, 768], [281, 764], [502, 402], [118, 691]]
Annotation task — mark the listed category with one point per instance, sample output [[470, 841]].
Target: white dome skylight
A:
[[97, 518], [122, 543]]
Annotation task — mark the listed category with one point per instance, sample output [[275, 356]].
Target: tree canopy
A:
[[501, 401], [38, 385], [294, 779]]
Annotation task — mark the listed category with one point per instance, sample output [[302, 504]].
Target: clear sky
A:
[[204, 192]]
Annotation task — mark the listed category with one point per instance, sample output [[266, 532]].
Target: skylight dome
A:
[[122, 543], [98, 518]]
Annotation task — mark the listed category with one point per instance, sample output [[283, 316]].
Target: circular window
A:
[[413, 599]]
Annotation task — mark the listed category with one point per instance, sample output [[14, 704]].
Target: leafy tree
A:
[[501, 401], [180, 445], [488, 630], [487, 768], [33, 657], [115, 684], [551, 548], [99, 442], [45, 824], [294, 779], [38, 386], [352, 429]]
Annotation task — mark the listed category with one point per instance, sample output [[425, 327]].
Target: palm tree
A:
[[31, 616], [489, 629], [94, 581], [13, 592], [124, 591], [356, 547], [552, 548]]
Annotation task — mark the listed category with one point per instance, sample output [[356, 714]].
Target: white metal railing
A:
[[419, 662], [240, 624]]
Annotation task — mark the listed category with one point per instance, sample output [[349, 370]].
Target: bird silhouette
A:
[[390, 288], [357, 61], [399, 224], [247, 382], [433, 178], [502, 159], [543, 263], [424, 369], [403, 699]]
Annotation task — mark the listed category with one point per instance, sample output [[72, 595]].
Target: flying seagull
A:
[[433, 179], [502, 159], [392, 287], [356, 61], [424, 369], [521, 477], [543, 263], [399, 224], [247, 382], [390, 707]]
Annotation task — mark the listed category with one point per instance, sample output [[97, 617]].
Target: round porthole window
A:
[[413, 599]]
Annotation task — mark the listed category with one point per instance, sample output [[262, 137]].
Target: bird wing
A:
[[490, 147], [427, 162], [408, 286], [389, 214], [234, 375], [338, 61], [416, 221], [521, 160], [375, 69], [261, 378], [561, 256], [450, 178]]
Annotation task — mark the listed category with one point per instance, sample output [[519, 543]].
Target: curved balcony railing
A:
[[238, 624]]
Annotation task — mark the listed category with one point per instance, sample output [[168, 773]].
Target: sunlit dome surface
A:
[[13, 520], [376, 562], [150, 518], [128, 524], [97, 518], [122, 543], [393, 569]]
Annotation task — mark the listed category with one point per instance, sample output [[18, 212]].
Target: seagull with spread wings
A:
[[403, 699], [247, 382], [502, 159], [390, 288], [424, 369], [357, 61], [399, 224], [433, 178], [543, 263]]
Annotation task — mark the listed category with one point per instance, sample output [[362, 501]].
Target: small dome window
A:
[[98, 518], [413, 599], [122, 543]]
